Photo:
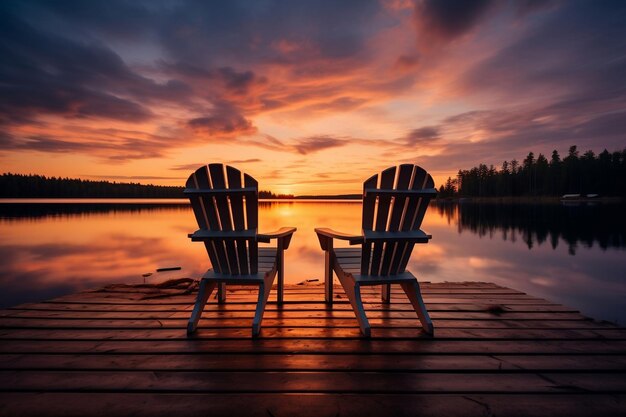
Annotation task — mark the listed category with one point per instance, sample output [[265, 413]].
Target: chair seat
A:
[[349, 260], [267, 258]]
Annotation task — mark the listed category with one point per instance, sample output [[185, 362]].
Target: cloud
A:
[[525, 7], [556, 58], [423, 135], [407, 62], [490, 137], [317, 143], [223, 122], [52, 74], [194, 166], [111, 145], [444, 20], [223, 82], [244, 161], [340, 104]]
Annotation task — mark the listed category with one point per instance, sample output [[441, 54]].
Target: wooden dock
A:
[[124, 351]]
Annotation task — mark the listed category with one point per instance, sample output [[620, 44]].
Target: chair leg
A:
[[280, 266], [385, 293], [264, 292], [221, 293], [353, 291], [328, 278], [204, 292], [412, 290]]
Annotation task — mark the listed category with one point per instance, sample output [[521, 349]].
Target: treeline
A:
[[271, 195], [603, 174], [39, 186]]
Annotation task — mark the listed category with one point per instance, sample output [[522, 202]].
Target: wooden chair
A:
[[226, 208], [394, 205]]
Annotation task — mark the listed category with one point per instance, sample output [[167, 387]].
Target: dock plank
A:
[[124, 351], [312, 405]]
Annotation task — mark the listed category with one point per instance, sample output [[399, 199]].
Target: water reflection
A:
[[582, 224], [571, 255], [37, 209]]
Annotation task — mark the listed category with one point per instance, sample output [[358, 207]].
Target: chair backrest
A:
[[224, 200], [393, 202]]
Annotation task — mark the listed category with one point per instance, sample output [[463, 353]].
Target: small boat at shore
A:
[[577, 197]]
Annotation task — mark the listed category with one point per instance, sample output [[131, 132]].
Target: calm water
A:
[[575, 255]]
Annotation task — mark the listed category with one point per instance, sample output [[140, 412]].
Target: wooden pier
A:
[[124, 352]]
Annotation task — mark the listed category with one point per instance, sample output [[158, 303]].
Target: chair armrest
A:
[[204, 235], [326, 236], [283, 235], [415, 236]]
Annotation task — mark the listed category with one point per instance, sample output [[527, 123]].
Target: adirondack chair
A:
[[226, 208], [394, 205]]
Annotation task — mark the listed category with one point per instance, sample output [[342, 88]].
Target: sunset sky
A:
[[309, 97]]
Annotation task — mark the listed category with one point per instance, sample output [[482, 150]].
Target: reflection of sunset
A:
[[65, 253]]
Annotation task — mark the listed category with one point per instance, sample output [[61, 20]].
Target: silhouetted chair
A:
[[226, 208], [393, 209]]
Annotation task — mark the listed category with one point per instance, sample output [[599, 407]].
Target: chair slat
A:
[[366, 254], [411, 206], [216, 256], [419, 179], [427, 182], [382, 215], [253, 253], [408, 250], [242, 256], [252, 203], [236, 200], [367, 223], [219, 183], [221, 200], [369, 204], [377, 251], [236, 205], [396, 262], [386, 183], [415, 213], [399, 206], [207, 203], [388, 254], [198, 210]]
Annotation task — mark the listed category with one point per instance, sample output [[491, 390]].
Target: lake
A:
[[571, 254]]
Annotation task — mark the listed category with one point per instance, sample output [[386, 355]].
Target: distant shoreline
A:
[[527, 200], [184, 201], [145, 200]]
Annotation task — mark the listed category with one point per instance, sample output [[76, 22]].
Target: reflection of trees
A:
[[586, 224], [34, 211]]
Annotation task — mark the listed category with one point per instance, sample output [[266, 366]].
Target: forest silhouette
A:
[[603, 174], [39, 186]]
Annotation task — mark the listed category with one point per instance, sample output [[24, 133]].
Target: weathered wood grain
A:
[[496, 352]]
